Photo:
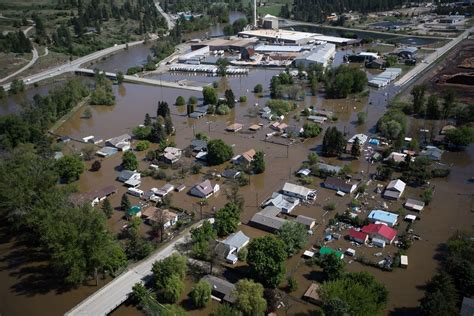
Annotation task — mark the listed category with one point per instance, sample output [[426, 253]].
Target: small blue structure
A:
[[388, 218], [374, 141]]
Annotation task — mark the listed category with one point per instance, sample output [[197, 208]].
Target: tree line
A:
[[15, 42]]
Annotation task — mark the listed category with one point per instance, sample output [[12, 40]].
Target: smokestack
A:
[[255, 13]]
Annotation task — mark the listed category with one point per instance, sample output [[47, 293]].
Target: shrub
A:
[[258, 88], [143, 145], [243, 98]]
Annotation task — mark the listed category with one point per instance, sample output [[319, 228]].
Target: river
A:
[[27, 289]]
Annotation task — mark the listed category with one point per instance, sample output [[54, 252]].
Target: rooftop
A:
[[383, 216]]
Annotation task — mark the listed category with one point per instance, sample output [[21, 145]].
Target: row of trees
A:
[[159, 130], [15, 42]]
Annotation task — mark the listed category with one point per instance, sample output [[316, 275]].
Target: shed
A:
[[234, 127], [305, 220], [326, 251], [414, 205], [404, 261], [134, 211], [312, 294], [221, 289]]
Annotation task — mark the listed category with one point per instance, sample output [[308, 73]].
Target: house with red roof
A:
[[380, 231], [358, 236]]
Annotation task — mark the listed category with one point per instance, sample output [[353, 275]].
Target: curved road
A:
[[28, 65]]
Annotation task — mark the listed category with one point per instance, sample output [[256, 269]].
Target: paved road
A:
[[432, 58], [74, 65], [116, 292], [169, 20], [28, 65]]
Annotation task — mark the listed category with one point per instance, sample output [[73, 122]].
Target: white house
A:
[[204, 189], [298, 191], [394, 189], [231, 246]]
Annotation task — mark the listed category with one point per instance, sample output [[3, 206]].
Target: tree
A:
[[96, 165], [266, 258], [417, 172], [226, 310], [107, 208], [143, 145], [192, 100], [391, 61], [440, 297], [169, 128], [359, 291], [125, 203], [147, 121], [355, 150], [201, 294], [292, 284], [168, 275], [120, 77], [258, 163], [180, 101], [129, 161], [249, 297], [311, 130], [418, 93], [258, 88], [222, 64], [210, 95], [361, 118], [333, 142], [449, 102], [87, 114], [3, 94], [312, 158], [17, 86], [460, 137], [142, 132], [218, 152], [229, 98], [163, 109], [332, 266], [294, 235], [70, 168], [172, 288], [335, 307], [432, 108], [227, 219], [427, 196]]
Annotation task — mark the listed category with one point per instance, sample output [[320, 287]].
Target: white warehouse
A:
[[322, 54]]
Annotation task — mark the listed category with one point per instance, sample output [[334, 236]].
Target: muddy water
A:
[[24, 294]]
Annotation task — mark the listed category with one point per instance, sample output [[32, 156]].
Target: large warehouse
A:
[[321, 54]]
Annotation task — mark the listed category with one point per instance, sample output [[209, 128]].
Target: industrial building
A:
[[321, 54], [236, 44], [280, 36]]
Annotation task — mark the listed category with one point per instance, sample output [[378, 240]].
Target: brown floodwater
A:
[[25, 291]]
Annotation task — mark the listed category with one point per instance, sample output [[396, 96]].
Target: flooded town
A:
[[236, 158]]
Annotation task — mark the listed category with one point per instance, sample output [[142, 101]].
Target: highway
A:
[[430, 59], [74, 65], [117, 291]]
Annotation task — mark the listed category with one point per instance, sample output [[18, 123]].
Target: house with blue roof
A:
[[379, 216]]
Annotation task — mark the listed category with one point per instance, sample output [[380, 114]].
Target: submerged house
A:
[[380, 232], [245, 158], [171, 154], [222, 290], [130, 178], [298, 191], [267, 219], [204, 189], [284, 203], [230, 247], [339, 185], [414, 205], [394, 189], [153, 215], [379, 216]]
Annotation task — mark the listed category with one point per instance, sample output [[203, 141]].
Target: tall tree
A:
[[355, 149], [107, 208], [418, 94], [201, 294], [125, 203], [163, 109], [227, 219], [258, 163], [129, 161], [210, 95], [440, 297], [249, 298], [432, 108], [333, 142], [218, 152], [294, 235], [229, 98]]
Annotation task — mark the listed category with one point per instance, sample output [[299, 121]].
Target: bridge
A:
[[140, 80], [117, 291]]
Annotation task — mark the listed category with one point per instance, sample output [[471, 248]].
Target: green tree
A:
[[258, 88], [17, 86], [311, 130], [143, 145], [294, 236], [147, 121], [70, 168], [335, 307], [175, 264], [229, 98], [432, 108], [292, 284], [332, 266], [449, 102], [313, 158], [222, 64], [172, 289], [258, 163], [460, 137], [142, 132], [360, 292], [333, 142], [266, 259], [440, 297], [227, 219], [193, 100], [3, 94], [226, 310], [120, 77], [201, 294], [210, 95], [125, 203], [107, 208], [218, 152], [391, 61], [180, 101], [96, 165], [355, 150], [249, 298], [163, 109], [418, 94], [129, 161]]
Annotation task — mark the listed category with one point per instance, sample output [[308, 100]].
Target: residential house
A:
[[361, 137], [198, 145], [94, 197], [379, 216], [204, 189], [317, 119], [130, 178], [396, 157], [165, 190], [294, 131], [254, 127], [265, 110], [358, 236], [197, 115], [234, 127], [304, 172], [298, 191], [121, 142], [312, 294], [279, 127], [306, 221], [381, 232], [328, 168], [394, 189], [267, 219], [432, 152], [324, 113], [172, 154], [153, 215], [414, 205], [230, 247], [407, 52], [378, 63], [222, 290], [231, 174], [106, 151], [284, 203], [245, 158], [339, 185]]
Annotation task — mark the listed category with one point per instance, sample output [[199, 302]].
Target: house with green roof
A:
[[327, 251]]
